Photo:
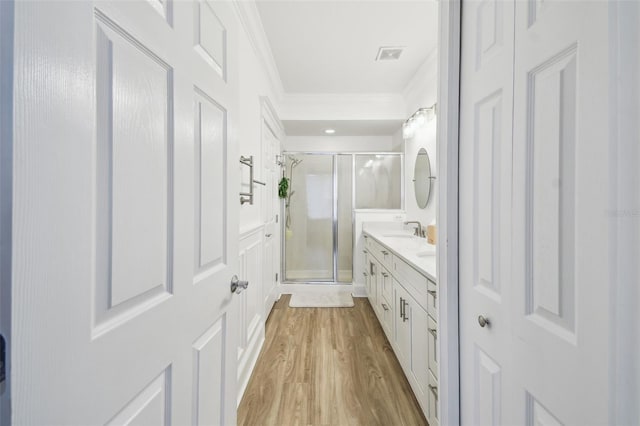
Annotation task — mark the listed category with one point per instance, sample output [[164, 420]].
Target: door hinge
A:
[[276, 218], [276, 277]]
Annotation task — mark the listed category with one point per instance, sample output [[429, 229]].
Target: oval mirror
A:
[[422, 178]]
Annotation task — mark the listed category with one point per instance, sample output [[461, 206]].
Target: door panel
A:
[[485, 202], [126, 228], [533, 233], [210, 181], [561, 318]]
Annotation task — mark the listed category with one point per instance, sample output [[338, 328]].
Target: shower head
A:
[[294, 161]]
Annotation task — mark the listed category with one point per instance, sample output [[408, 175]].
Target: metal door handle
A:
[[483, 321], [401, 308], [238, 286], [405, 317]]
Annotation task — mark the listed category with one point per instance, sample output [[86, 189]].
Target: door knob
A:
[[237, 286], [483, 321]]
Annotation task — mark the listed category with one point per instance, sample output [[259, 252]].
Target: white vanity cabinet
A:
[[406, 303]]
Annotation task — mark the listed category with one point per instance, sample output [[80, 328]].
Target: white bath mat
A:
[[340, 299]]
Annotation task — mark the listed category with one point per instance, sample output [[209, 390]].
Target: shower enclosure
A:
[[324, 190]]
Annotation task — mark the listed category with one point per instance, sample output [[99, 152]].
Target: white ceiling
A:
[[330, 46], [342, 127]]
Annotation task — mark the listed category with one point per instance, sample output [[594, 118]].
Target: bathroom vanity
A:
[[401, 284]]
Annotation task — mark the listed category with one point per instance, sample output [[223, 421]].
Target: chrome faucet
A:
[[418, 232]]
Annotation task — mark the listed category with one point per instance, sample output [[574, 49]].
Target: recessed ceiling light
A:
[[329, 131]]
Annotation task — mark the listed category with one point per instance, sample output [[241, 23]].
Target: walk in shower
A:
[[324, 190]]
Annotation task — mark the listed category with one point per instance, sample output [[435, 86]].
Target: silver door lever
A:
[[238, 286]]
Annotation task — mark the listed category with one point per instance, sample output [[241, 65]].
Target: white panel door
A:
[[271, 210], [534, 254], [560, 216], [125, 213], [485, 201]]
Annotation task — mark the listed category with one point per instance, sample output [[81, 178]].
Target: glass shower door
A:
[[309, 224]]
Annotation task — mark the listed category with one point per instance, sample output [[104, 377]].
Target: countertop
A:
[[405, 248]]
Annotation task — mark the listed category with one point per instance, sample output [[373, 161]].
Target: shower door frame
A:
[[334, 155]]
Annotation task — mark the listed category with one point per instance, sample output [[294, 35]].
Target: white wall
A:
[[254, 83], [421, 92], [338, 143], [425, 137]]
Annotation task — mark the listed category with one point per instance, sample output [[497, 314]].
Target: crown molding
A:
[[249, 17], [270, 115]]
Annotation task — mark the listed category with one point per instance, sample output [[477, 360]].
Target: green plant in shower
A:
[[283, 187]]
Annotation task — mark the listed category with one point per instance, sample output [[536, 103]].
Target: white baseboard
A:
[[359, 290], [247, 361]]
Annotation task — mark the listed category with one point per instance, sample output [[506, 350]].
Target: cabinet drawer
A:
[[380, 252], [432, 298], [386, 283], [433, 416], [415, 283], [386, 314], [433, 346]]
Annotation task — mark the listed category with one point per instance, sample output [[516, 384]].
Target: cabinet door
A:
[[419, 324], [373, 283], [432, 299], [386, 283], [433, 346], [365, 273], [402, 332], [433, 416]]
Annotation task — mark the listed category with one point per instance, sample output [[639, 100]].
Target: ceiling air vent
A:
[[389, 53]]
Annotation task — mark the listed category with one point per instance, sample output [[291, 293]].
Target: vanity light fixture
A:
[[330, 131], [416, 120]]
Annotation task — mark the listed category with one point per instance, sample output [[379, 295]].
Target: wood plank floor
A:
[[327, 366]]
